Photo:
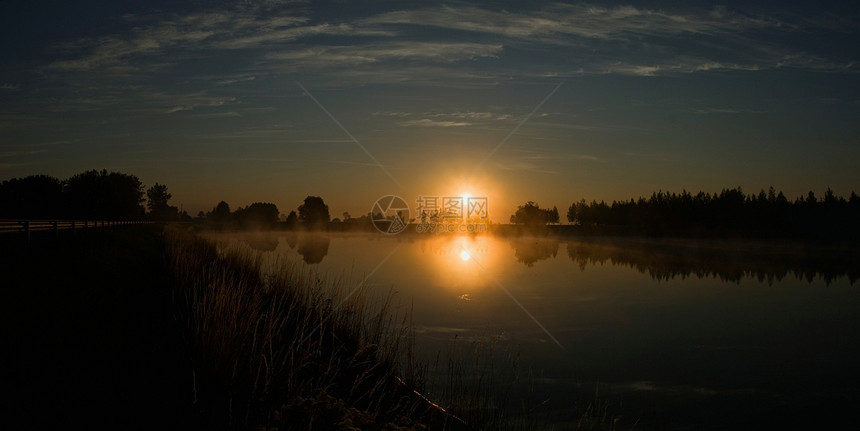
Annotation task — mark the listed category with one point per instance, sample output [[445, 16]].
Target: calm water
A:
[[676, 334]]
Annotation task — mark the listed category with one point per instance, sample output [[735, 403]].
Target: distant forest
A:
[[730, 213]]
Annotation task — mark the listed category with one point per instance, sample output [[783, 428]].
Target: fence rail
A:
[[27, 226]]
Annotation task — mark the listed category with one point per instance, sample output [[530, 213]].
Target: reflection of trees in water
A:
[[727, 261], [292, 239], [313, 248], [531, 250], [261, 241]]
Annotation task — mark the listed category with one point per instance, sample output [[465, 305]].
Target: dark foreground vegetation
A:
[[91, 332], [135, 327], [292, 351], [152, 327]]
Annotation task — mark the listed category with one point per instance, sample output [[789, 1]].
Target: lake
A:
[[681, 334]]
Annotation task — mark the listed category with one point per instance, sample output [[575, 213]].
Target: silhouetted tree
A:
[[221, 212], [552, 215], [811, 201], [33, 197], [157, 197], [292, 220], [103, 195], [258, 215], [313, 213], [530, 214], [571, 214]]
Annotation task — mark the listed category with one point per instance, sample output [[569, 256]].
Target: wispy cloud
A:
[[179, 109], [430, 75], [455, 115], [472, 115], [681, 65], [294, 33], [426, 122], [727, 111], [186, 102], [608, 40], [235, 80], [227, 30], [400, 114], [10, 87], [112, 50], [228, 114], [579, 20], [326, 56]]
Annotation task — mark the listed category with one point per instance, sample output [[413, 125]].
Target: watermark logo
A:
[[435, 214], [390, 214], [441, 214]]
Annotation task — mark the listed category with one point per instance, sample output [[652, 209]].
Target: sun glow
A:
[[462, 262], [470, 189]]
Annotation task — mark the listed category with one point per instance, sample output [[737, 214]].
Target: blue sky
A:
[[206, 97]]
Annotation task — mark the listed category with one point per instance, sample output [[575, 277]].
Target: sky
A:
[[272, 101]]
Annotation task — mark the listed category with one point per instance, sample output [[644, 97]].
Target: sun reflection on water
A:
[[456, 262]]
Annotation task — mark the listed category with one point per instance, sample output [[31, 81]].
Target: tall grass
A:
[[483, 384], [276, 345]]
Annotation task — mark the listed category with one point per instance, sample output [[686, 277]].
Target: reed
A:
[[274, 344], [277, 345]]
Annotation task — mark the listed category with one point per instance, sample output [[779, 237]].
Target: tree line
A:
[[90, 195], [107, 195], [532, 214], [727, 213], [769, 214], [312, 214]]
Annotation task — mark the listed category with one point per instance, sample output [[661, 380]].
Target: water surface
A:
[[686, 334]]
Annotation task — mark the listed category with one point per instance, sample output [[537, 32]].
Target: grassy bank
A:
[[141, 328], [281, 347], [152, 327]]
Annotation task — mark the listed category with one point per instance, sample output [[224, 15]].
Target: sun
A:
[[465, 255]]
